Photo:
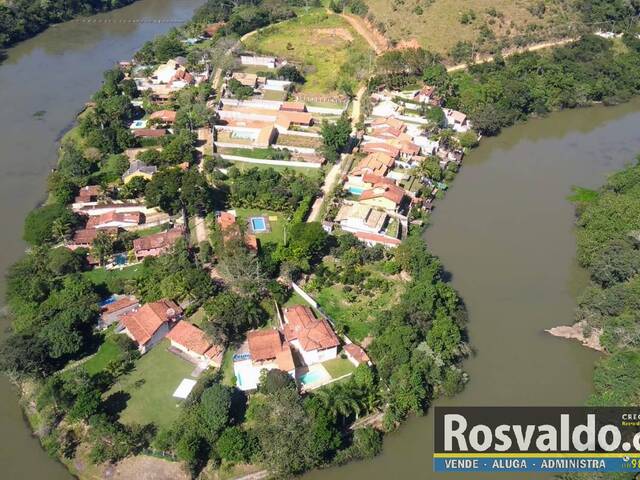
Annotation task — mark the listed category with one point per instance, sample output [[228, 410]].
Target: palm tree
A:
[[60, 229], [102, 247]]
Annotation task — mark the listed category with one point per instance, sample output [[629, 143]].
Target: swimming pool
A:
[[139, 124], [108, 301], [258, 224], [314, 376], [120, 259], [356, 190]]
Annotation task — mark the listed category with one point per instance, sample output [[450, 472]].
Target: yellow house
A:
[[139, 169]]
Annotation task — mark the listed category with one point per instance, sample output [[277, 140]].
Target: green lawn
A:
[[99, 276], [309, 172], [151, 230], [274, 95], [107, 352], [295, 300], [276, 235], [228, 375], [339, 367], [151, 384], [320, 42]]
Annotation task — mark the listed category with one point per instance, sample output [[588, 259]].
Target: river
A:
[[44, 81], [504, 231]]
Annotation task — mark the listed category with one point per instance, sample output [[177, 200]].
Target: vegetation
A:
[[608, 247], [21, 19], [329, 54]]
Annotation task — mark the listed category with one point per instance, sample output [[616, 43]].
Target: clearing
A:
[[438, 25], [323, 45]]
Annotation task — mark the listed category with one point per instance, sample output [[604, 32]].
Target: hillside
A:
[[438, 25]]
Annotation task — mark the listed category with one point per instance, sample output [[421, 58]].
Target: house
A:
[[387, 197], [149, 132], [372, 239], [191, 341], [165, 72], [84, 237], [380, 147], [230, 229], [156, 244], [138, 168], [150, 323], [89, 194], [246, 79], [293, 107], [375, 165], [113, 312], [164, 117], [115, 220], [408, 150], [388, 127], [357, 217], [356, 354], [266, 137], [313, 338], [268, 62], [285, 119], [263, 350], [426, 94], [456, 120]]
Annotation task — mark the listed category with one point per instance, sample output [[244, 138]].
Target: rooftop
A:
[[312, 333]]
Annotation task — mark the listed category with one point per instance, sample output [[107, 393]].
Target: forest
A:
[[608, 236]]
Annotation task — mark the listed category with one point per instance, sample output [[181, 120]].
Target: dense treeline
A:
[[503, 92], [500, 93], [609, 248], [21, 19]]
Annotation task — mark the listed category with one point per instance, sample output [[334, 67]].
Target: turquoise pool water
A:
[[311, 377], [258, 224], [120, 259], [356, 190]]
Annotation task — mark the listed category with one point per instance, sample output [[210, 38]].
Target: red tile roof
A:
[[158, 241], [145, 322], [312, 333], [264, 344], [377, 163], [167, 116], [377, 179], [85, 194], [357, 352], [120, 304], [193, 339], [390, 192], [382, 148], [293, 107], [134, 218], [364, 236], [86, 236]]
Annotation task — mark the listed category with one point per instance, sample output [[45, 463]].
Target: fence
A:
[[277, 163]]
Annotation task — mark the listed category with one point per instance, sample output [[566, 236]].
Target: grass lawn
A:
[[276, 235], [338, 367], [322, 43], [99, 276], [107, 352], [228, 375], [309, 172], [151, 230], [439, 28], [274, 95], [151, 384], [295, 300], [299, 141]]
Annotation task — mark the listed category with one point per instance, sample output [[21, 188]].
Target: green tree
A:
[[102, 247], [335, 137]]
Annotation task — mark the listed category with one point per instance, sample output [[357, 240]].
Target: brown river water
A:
[[504, 232]]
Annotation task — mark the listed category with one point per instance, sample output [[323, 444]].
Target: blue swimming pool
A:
[[258, 224], [356, 190], [311, 377], [108, 301], [120, 259]]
